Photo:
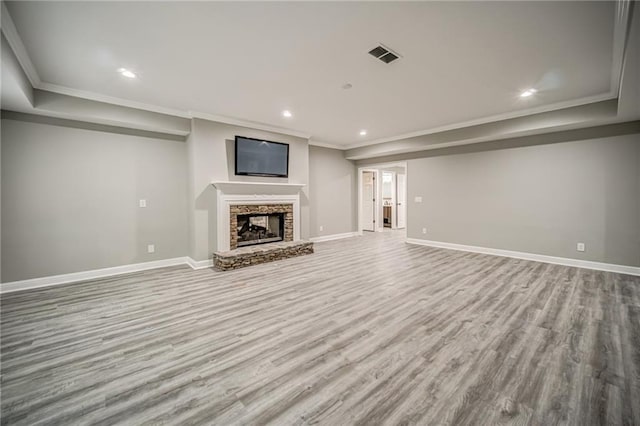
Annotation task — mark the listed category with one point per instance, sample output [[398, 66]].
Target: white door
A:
[[401, 181], [368, 201]]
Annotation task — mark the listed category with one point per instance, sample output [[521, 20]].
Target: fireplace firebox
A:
[[260, 228], [247, 223]]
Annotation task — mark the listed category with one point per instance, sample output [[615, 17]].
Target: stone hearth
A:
[[254, 255]]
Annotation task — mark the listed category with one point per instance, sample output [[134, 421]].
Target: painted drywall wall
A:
[[210, 149], [333, 192], [539, 199], [70, 199]]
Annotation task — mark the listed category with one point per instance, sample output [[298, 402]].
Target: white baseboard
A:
[[88, 275], [622, 269], [333, 237], [202, 264], [199, 264]]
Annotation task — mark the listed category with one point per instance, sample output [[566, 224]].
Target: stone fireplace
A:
[[252, 214], [247, 198], [252, 224]]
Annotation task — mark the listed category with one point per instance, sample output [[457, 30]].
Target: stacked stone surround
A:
[[240, 209], [254, 255]]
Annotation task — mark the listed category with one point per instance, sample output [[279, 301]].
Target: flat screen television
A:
[[256, 157]]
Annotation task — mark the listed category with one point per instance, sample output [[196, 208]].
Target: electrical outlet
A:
[[143, 203], [580, 247], [424, 230], [417, 199], [321, 228], [151, 248]]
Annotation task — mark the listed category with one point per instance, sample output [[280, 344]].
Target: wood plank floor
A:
[[368, 330]]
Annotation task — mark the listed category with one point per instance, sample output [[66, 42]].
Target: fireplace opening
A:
[[260, 228]]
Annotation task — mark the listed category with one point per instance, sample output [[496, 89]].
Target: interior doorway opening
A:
[[382, 193], [369, 200]]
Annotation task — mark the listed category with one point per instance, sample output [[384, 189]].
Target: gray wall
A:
[[538, 199], [334, 192], [70, 199], [210, 158]]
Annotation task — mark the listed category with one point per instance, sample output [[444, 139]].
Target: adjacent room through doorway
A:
[[382, 197]]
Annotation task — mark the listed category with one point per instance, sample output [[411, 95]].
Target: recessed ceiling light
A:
[[527, 93], [127, 73], [363, 133], [287, 113]]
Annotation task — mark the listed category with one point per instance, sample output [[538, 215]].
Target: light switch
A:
[[143, 203], [417, 199]]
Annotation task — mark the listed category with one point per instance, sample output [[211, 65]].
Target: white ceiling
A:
[[461, 61]]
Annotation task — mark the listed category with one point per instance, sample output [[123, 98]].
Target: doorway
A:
[[382, 197], [368, 202], [389, 213], [401, 202]]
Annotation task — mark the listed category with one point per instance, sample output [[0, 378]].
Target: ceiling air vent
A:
[[384, 54]]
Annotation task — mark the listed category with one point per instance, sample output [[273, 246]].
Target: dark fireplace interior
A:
[[260, 228]]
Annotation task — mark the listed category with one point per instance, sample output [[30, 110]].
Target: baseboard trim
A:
[[76, 277], [587, 264], [333, 237], [199, 264]]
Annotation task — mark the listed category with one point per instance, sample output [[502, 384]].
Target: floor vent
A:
[[384, 54]]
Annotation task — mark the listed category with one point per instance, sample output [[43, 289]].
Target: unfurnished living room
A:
[[332, 213]]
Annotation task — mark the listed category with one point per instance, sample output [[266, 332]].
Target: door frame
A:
[[377, 168], [394, 198], [361, 171], [405, 200]]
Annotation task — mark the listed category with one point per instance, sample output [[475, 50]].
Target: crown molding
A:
[[10, 32], [493, 118], [593, 124], [63, 90], [108, 126], [83, 94], [327, 145], [622, 25], [621, 32], [15, 42], [247, 123]]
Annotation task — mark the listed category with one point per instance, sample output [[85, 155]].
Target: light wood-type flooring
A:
[[368, 330]]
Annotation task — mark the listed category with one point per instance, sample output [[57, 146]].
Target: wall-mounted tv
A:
[[256, 157]]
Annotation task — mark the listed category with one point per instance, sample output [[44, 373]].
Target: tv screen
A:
[[255, 157]]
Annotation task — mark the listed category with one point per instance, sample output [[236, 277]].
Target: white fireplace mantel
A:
[[257, 188], [230, 193]]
